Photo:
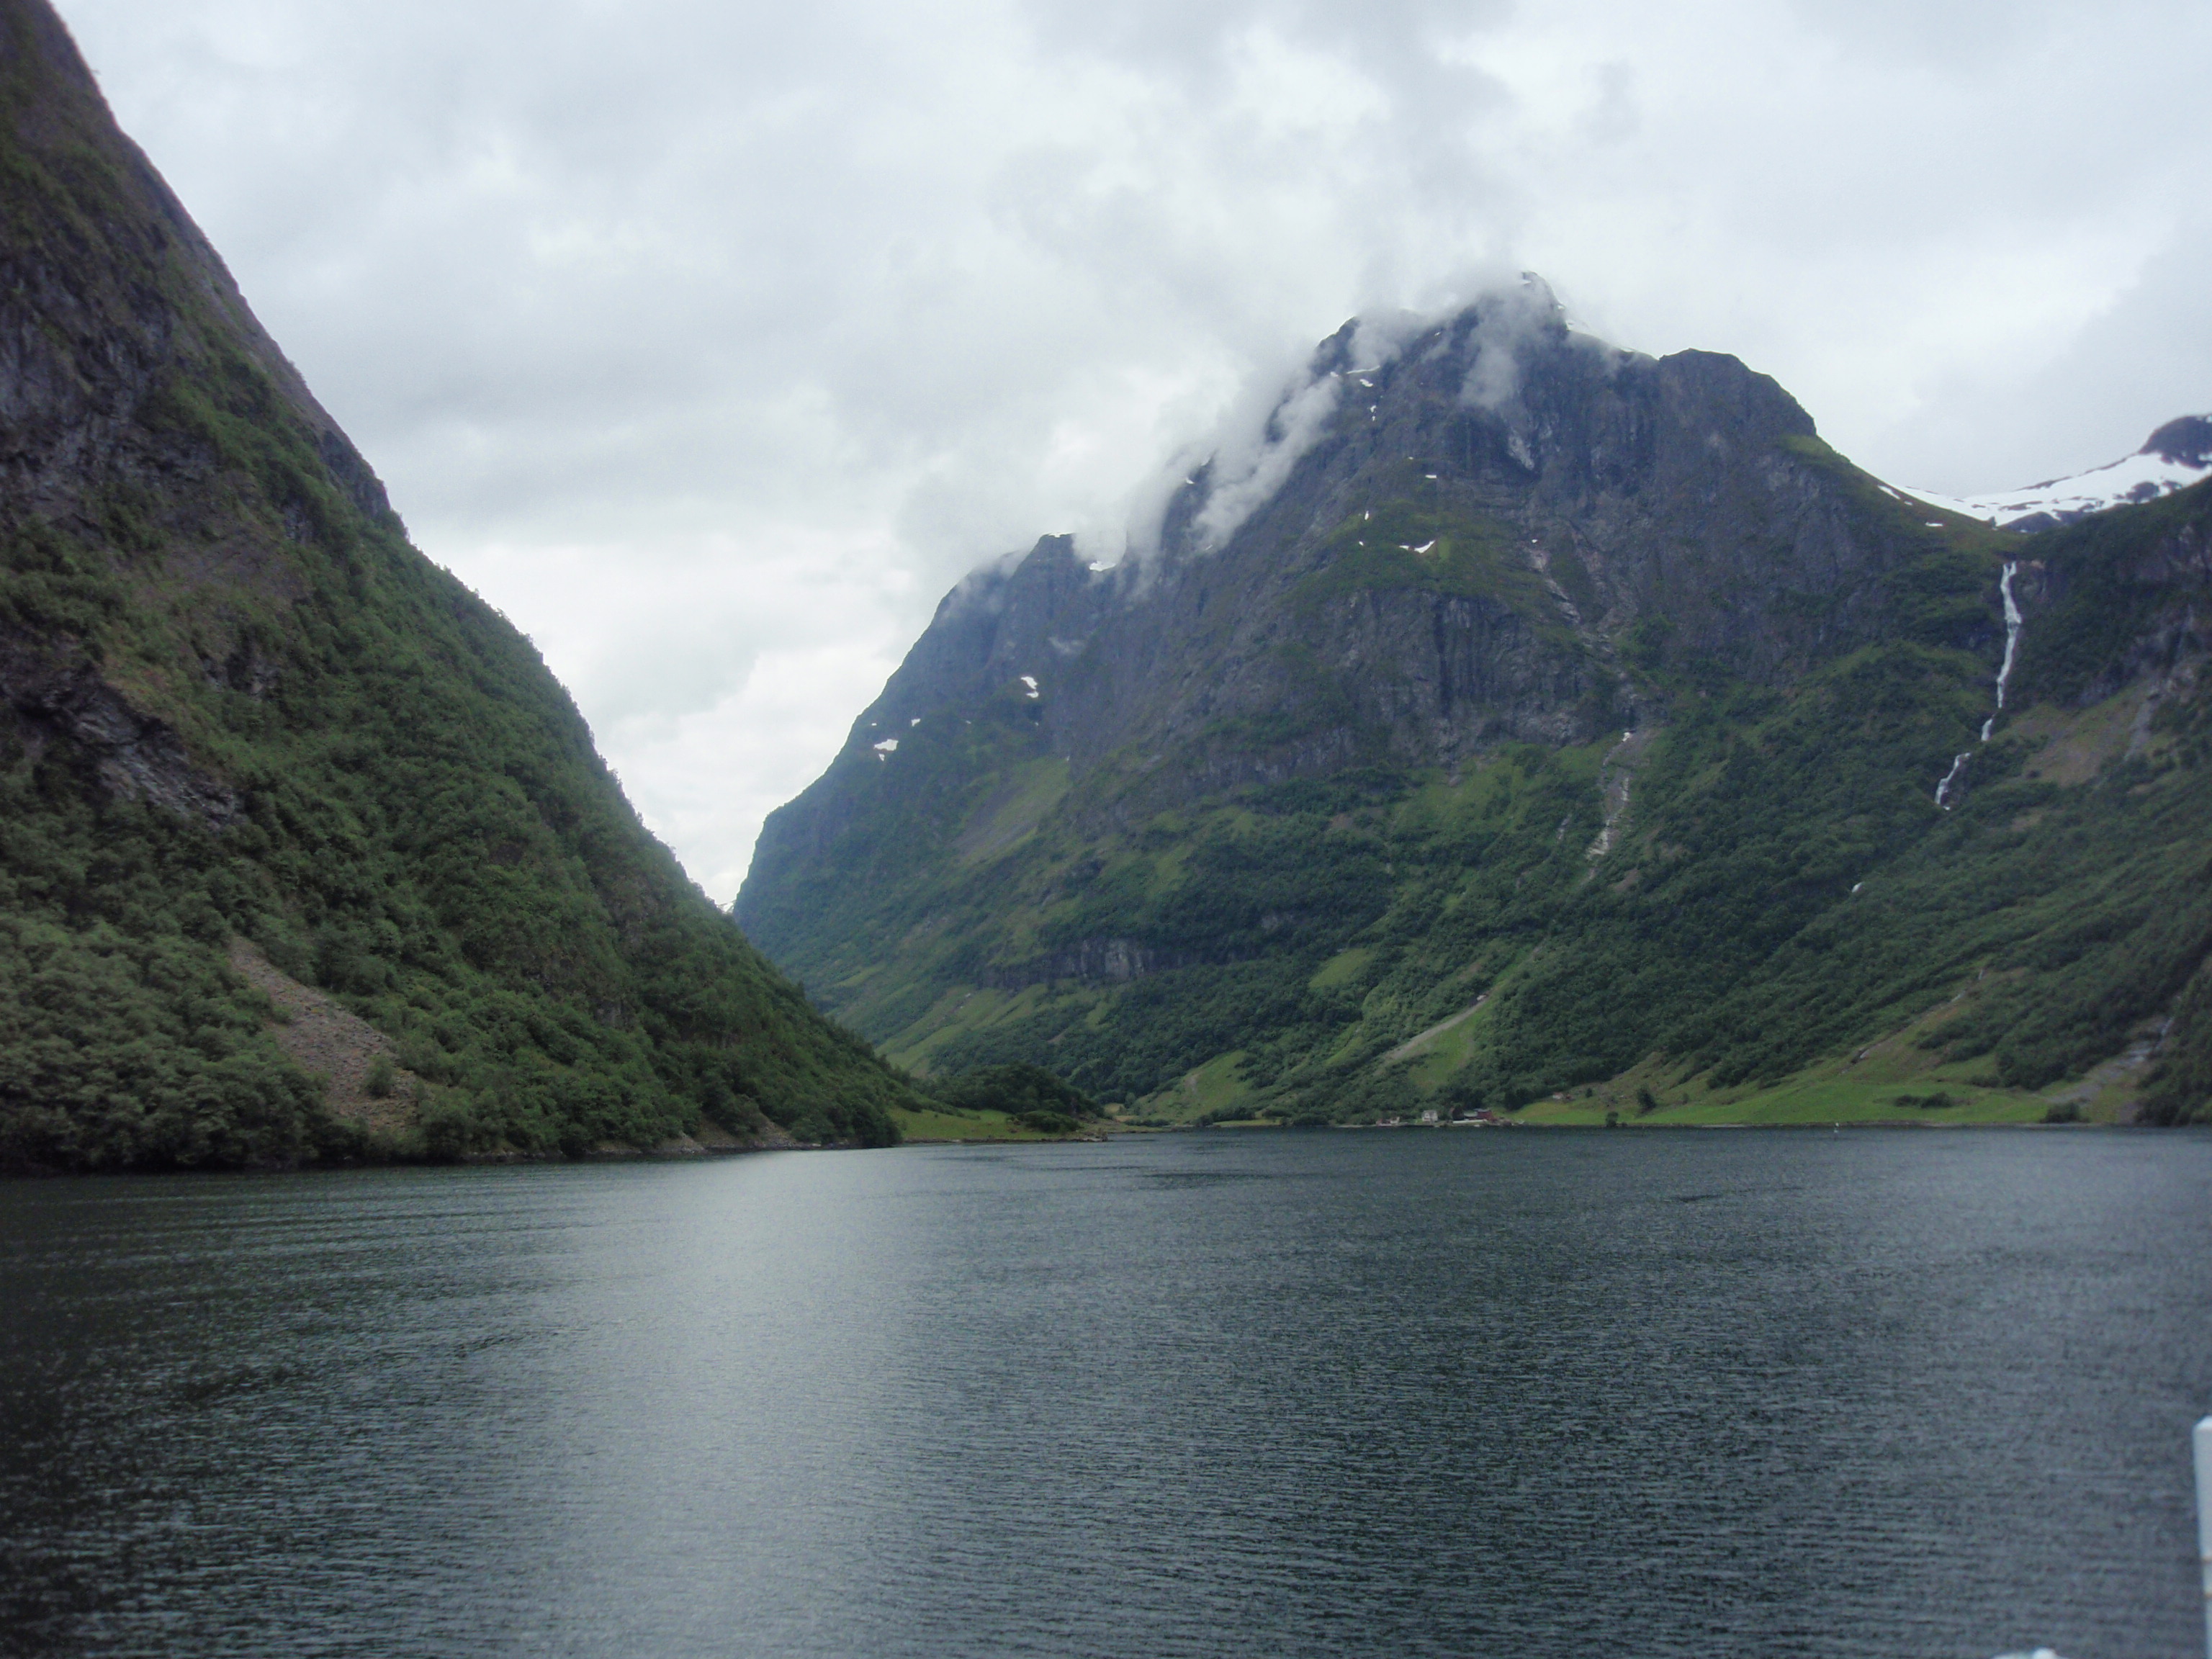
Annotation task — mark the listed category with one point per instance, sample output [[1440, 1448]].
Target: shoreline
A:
[[669, 1154]]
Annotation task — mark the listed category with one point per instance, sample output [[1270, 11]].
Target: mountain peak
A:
[[2184, 442]]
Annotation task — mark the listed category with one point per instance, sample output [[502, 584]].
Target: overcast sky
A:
[[712, 341]]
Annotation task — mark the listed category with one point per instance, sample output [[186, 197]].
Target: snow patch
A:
[[2137, 478], [887, 748]]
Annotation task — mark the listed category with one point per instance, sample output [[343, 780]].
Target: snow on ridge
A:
[[2141, 477]]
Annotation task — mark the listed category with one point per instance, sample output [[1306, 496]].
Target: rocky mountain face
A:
[[1527, 701], [1437, 576], [303, 853]]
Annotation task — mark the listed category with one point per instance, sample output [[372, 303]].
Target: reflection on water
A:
[[1510, 1394]]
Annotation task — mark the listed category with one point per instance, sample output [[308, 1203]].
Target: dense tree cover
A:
[[1029, 1094], [238, 703], [425, 831], [123, 1038]]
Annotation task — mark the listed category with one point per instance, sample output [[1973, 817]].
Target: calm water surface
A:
[[1470, 1393]]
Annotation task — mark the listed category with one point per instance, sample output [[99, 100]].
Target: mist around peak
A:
[[1207, 489]]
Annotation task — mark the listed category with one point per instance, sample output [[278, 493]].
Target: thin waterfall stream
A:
[[2013, 621]]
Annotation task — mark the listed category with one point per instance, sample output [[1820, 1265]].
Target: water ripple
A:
[[1526, 1395]]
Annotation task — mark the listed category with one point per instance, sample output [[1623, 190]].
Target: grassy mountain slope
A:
[[235, 703], [1325, 902]]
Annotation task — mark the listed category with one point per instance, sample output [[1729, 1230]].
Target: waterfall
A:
[[2014, 622], [1943, 789]]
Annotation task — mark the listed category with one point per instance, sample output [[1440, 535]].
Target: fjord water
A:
[[1454, 1393]]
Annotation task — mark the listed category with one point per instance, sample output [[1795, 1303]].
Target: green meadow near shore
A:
[[1889, 1083], [1811, 1103], [924, 1127], [1900, 1080]]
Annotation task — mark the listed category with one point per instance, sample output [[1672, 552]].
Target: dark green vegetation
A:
[[1338, 819], [236, 704], [1028, 1095]]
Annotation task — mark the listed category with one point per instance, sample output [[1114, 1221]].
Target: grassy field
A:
[[1812, 1103], [1889, 1081], [924, 1127]]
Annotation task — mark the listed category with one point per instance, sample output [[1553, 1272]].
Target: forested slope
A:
[[239, 712]]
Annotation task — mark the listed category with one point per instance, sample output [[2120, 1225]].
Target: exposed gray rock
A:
[[1614, 488], [54, 695], [1098, 961]]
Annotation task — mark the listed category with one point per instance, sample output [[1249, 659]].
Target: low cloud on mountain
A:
[[714, 343]]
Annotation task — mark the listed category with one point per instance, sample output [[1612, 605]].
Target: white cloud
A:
[[713, 341], [1257, 454]]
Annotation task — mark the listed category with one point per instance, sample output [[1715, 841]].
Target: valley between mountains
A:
[[1533, 729], [1515, 728]]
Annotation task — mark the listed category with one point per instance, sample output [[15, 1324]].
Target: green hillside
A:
[[1689, 867], [254, 746]]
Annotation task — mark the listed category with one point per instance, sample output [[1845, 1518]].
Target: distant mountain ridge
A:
[[1516, 717], [303, 853], [2175, 457]]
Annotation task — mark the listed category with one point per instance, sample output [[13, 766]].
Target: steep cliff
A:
[[1512, 718], [253, 743]]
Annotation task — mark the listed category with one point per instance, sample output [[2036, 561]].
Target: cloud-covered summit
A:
[[714, 342], [1219, 481]]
